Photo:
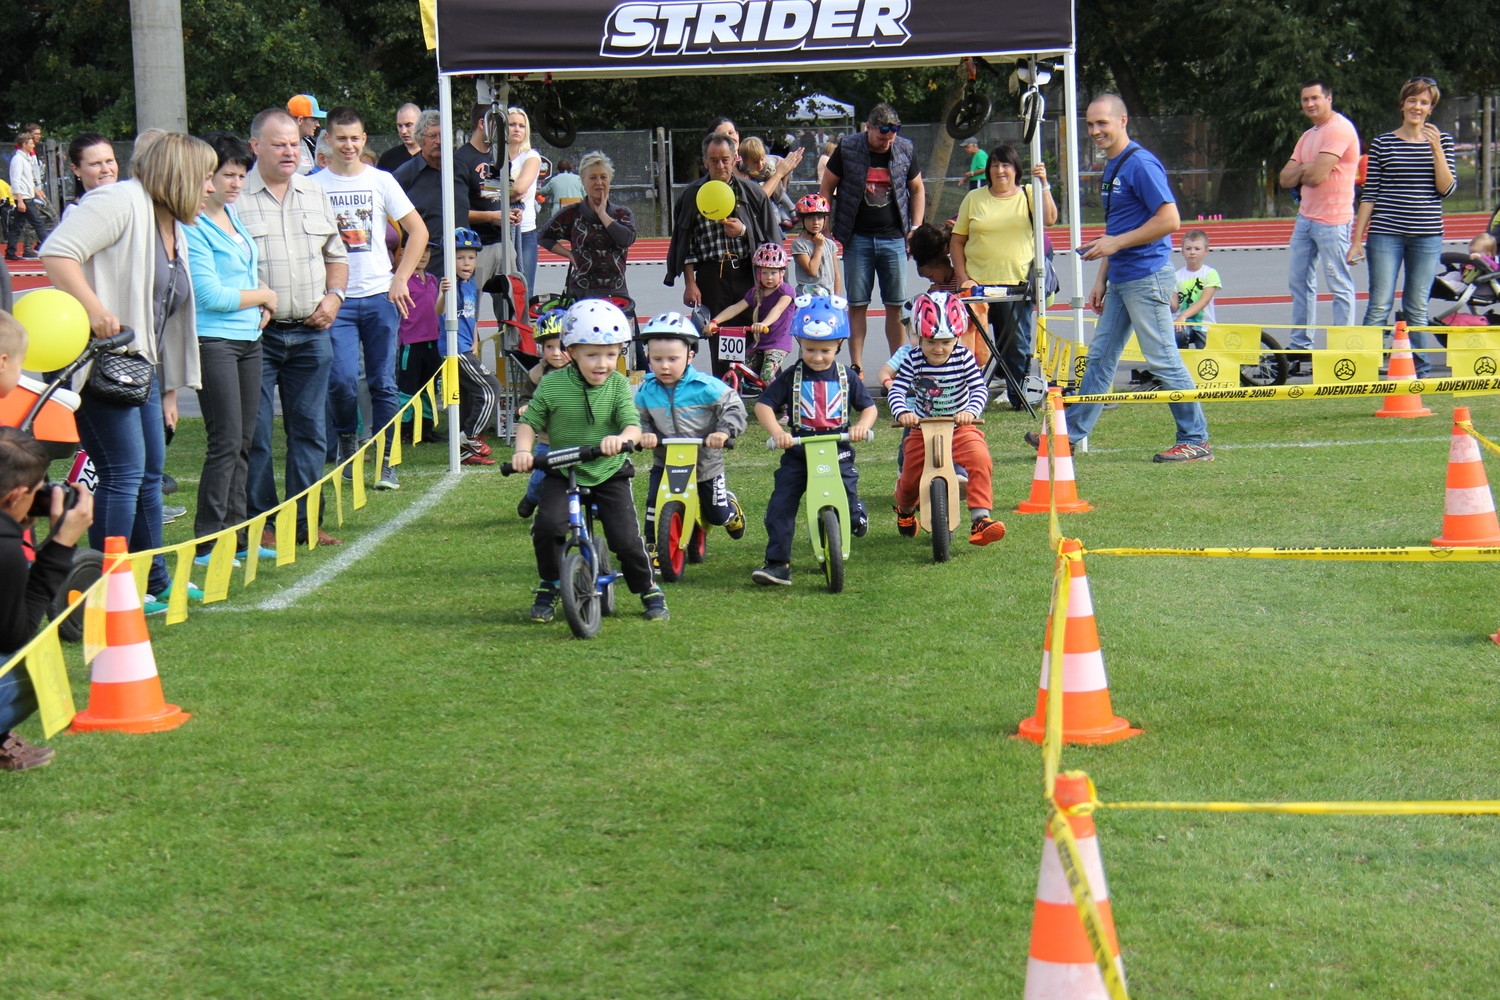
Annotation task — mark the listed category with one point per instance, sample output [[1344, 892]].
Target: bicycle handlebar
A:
[[700, 442], [922, 420], [564, 457], [841, 438]]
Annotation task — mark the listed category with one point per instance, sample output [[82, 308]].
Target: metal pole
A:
[[1487, 154], [1038, 231], [1075, 200], [664, 181], [160, 80], [450, 263]]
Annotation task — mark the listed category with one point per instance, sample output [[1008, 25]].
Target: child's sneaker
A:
[[479, 445], [388, 479], [773, 575], [655, 603], [906, 522], [985, 530], [526, 508], [735, 526], [544, 608], [861, 526], [1186, 453], [474, 458]]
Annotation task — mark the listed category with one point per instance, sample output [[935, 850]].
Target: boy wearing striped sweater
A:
[[941, 379]]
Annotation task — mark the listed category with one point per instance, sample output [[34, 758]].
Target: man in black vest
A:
[[714, 256], [875, 187]]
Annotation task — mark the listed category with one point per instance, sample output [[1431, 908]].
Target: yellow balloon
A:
[[57, 328], [715, 200]]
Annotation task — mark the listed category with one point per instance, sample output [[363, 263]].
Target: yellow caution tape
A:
[[1467, 426], [1083, 899], [1410, 553], [1413, 387], [1449, 807], [1052, 731]]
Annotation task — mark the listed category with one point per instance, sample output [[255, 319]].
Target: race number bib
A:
[[732, 344]]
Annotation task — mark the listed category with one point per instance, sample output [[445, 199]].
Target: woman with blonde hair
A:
[[598, 234], [122, 253], [525, 166]]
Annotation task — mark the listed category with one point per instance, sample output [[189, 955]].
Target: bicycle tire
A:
[[606, 592], [670, 557], [698, 544], [937, 511], [1033, 107], [1271, 369], [580, 596], [554, 123], [732, 380], [831, 534], [969, 115], [87, 568]]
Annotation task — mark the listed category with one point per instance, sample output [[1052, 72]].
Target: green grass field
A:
[[399, 787]]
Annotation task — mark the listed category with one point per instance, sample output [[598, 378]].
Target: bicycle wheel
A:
[[698, 544], [969, 114], [832, 536], [580, 598], [88, 566], [1271, 369], [1033, 107], [937, 510], [670, 556], [606, 592]]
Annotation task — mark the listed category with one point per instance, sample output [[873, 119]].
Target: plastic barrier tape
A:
[[1448, 807], [1278, 392], [1409, 553], [1083, 898]]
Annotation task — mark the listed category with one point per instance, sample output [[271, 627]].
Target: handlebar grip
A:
[[121, 339], [506, 469]]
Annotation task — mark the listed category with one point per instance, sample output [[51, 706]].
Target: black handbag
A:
[[122, 379]]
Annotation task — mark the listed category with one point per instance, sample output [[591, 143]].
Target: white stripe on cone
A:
[[1469, 500], [1050, 981], [1464, 449], [121, 594], [120, 664], [1082, 672], [1052, 884], [1064, 468]]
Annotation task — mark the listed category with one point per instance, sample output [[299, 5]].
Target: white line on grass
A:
[[1257, 445], [353, 553]]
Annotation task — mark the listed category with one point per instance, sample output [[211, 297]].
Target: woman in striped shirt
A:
[[1401, 212]]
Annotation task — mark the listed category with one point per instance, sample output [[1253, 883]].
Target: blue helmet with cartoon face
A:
[[821, 317]]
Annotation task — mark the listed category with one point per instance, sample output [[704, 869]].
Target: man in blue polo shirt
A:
[[1134, 287]]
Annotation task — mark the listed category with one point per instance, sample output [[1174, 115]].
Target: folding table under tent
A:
[[598, 39]]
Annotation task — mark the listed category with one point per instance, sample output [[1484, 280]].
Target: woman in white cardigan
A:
[[122, 253]]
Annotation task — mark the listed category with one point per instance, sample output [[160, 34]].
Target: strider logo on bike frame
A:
[[636, 30]]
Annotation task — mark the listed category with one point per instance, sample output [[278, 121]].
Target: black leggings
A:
[[615, 513]]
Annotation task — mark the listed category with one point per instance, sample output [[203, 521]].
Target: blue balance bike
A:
[[588, 581]]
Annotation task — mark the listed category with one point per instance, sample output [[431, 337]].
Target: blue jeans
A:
[[369, 323], [295, 359], [865, 259], [1389, 253], [129, 448], [525, 246], [1315, 248], [17, 699], [1144, 304]]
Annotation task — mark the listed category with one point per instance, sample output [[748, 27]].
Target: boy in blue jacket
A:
[[677, 400]]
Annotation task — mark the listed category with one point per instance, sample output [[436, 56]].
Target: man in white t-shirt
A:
[[1322, 170], [363, 198]]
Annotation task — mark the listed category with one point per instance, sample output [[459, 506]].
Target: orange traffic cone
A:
[[1068, 501], [1088, 716], [1060, 964], [1402, 369], [1469, 508], [125, 693]]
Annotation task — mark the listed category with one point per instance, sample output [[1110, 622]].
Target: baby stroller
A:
[[45, 409], [1466, 292]]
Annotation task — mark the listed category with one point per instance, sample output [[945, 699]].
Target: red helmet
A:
[[812, 204], [939, 316], [771, 255]]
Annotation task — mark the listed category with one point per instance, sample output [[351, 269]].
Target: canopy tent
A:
[[820, 107], [577, 39]]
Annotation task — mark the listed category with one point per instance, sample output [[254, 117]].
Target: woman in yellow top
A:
[[993, 244]]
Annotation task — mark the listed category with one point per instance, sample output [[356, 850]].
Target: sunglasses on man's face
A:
[[887, 129]]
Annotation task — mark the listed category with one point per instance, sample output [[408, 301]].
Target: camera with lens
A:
[[41, 506]]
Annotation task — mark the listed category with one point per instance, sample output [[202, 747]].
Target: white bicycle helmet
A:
[[671, 324], [595, 321]]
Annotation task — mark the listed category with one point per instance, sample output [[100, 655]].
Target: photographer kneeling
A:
[[27, 588]]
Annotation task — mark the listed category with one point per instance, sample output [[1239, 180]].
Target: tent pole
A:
[[1075, 200], [450, 266], [1038, 230]]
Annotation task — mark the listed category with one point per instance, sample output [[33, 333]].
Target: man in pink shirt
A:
[[1322, 169]]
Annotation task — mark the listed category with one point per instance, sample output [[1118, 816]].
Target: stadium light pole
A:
[[160, 77]]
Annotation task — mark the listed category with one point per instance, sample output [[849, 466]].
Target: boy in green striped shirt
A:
[[588, 403]]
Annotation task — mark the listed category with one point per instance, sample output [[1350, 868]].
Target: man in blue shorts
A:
[[874, 184], [1134, 287]]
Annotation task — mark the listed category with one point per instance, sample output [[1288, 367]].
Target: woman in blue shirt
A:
[[233, 305]]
